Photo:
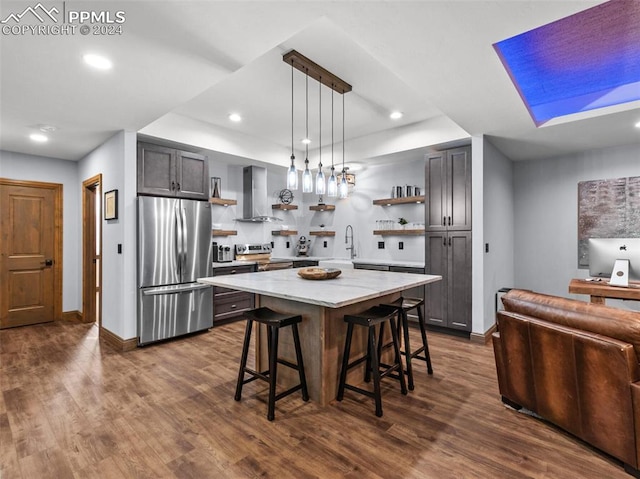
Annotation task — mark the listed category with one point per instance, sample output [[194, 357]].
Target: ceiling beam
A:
[[316, 72]]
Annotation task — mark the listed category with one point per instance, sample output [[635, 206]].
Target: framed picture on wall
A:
[[111, 205]]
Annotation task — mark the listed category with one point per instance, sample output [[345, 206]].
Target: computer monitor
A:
[[609, 257]]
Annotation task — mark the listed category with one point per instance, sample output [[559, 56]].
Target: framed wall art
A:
[[111, 205]]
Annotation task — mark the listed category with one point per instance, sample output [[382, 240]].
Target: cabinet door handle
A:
[[449, 240], [449, 220], [444, 221], [444, 241], [177, 186], [234, 306], [173, 185]]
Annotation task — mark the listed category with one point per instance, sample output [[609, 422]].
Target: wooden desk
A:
[[600, 290]]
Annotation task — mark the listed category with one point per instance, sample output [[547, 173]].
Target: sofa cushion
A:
[[600, 319]]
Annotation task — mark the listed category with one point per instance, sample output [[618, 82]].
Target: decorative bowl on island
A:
[[316, 273]]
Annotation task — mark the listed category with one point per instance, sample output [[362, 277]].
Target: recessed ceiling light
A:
[[638, 125], [234, 117], [306, 141], [97, 61], [38, 137], [395, 115]]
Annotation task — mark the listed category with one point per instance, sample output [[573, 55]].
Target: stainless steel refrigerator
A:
[[174, 250]]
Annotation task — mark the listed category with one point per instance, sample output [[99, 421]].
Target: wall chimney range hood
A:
[[255, 204]]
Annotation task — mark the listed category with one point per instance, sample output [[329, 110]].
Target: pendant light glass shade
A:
[[332, 184], [321, 185], [343, 189], [307, 179], [292, 175]]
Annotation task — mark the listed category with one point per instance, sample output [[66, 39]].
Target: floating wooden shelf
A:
[[222, 202], [398, 232], [322, 233], [322, 207], [284, 232], [224, 232], [281, 206], [399, 201]]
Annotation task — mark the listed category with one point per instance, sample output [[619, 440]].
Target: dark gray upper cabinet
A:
[[166, 171], [448, 190]]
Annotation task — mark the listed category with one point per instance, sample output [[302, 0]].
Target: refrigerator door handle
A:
[[184, 239], [178, 242], [185, 288]]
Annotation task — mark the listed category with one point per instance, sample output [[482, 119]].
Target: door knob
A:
[[47, 262]]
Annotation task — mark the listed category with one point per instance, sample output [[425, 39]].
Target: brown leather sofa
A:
[[575, 364]]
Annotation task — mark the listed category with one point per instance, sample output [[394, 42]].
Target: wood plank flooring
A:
[[71, 407]]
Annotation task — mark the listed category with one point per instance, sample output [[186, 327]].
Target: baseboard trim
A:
[[116, 342], [480, 338], [74, 316]]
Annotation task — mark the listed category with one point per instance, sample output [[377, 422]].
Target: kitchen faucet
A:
[[347, 237]]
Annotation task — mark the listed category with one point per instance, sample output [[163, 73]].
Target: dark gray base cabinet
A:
[[166, 171], [229, 304], [449, 301]]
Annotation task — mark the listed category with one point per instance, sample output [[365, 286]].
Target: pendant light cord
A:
[[320, 108], [332, 126], [343, 171], [292, 155], [306, 88]]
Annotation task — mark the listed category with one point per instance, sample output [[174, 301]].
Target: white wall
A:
[[116, 160], [546, 213], [371, 183], [498, 218], [18, 166]]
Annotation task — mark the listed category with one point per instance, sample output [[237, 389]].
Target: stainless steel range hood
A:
[[255, 199]]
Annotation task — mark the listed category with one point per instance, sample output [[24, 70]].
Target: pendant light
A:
[[292, 173], [343, 190], [307, 180], [332, 185], [320, 183]]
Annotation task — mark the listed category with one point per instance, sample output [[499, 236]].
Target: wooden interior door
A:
[[30, 252], [92, 250]]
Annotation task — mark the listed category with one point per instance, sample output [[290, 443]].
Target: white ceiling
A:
[[200, 61]]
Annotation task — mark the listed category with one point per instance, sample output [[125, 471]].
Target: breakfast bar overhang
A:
[[322, 305]]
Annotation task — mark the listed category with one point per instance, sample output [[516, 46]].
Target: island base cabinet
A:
[[448, 302]]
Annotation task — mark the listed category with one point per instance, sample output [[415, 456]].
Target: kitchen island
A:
[[322, 305]]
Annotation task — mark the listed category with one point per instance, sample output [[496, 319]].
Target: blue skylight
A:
[[582, 62]]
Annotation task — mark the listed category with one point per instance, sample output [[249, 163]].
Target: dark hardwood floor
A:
[[71, 407]]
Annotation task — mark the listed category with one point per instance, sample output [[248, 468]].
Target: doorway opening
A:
[[92, 250]]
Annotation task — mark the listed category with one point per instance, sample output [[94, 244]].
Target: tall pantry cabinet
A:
[[448, 238]]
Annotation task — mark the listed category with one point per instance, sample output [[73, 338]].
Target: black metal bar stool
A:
[[403, 306], [370, 318], [274, 321]]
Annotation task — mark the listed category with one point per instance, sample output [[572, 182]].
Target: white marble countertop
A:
[[352, 286]]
